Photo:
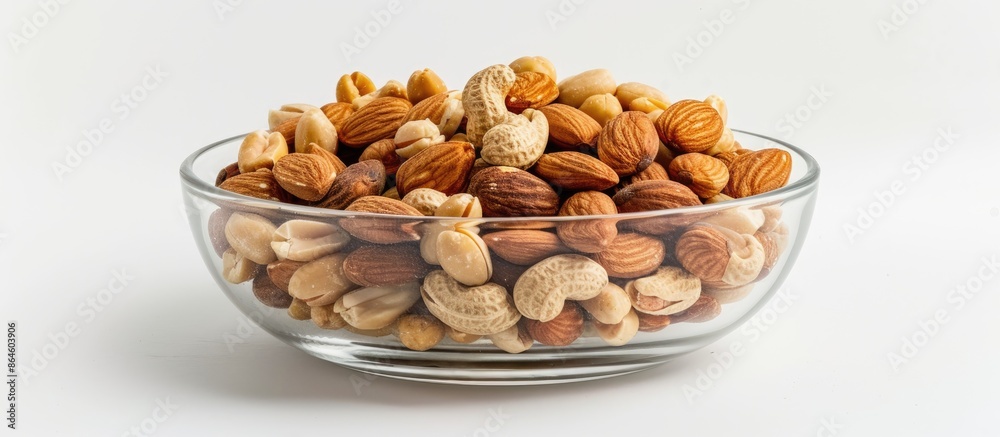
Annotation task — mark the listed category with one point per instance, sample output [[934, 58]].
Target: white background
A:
[[820, 368]]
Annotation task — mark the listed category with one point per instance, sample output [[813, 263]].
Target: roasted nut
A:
[[512, 192], [704, 309], [464, 256], [307, 176], [237, 269], [353, 86], [483, 310], [517, 142], [299, 310], [259, 184], [575, 171], [444, 109], [628, 92], [720, 256], [419, 332], [562, 330], [444, 167], [250, 235], [620, 333], [423, 84], [456, 205], [425, 200], [483, 100], [610, 306], [337, 113], [374, 266], [668, 291], [377, 307], [703, 174], [570, 128], [631, 255], [261, 150], [574, 90], [654, 195], [601, 107], [531, 90], [227, 172], [728, 295], [591, 235], [325, 317], [690, 126], [321, 282], [514, 340], [758, 172], [281, 272], [652, 323], [628, 143], [315, 128], [380, 230], [524, 246], [365, 178], [719, 104], [741, 220], [383, 151], [538, 64], [375, 121], [648, 106], [415, 136], [392, 193], [655, 172], [268, 293], [541, 291], [216, 230], [306, 240], [727, 143], [276, 117]]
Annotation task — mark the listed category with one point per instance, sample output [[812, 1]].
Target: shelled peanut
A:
[[513, 143]]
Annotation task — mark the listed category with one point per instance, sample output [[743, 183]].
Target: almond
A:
[[560, 331], [511, 192], [281, 272], [338, 164], [690, 126], [287, 130], [575, 171], [227, 172], [652, 323], [373, 266], [720, 257], [385, 152], [382, 230], [444, 167], [570, 128], [704, 309], [628, 143], [338, 113], [592, 235], [703, 174], [375, 121], [531, 90], [305, 175], [524, 247], [365, 178], [431, 108], [758, 172], [259, 184], [656, 195], [631, 255], [655, 172]]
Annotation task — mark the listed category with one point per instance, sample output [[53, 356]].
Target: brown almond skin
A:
[[592, 235], [655, 172], [531, 90], [631, 255], [382, 230], [690, 126], [444, 167], [338, 112], [268, 293], [570, 128], [226, 173], [704, 252], [378, 120], [365, 178], [704, 309], [563, 330], [652, 323], [654, 195], [217, 230], [524, 247], [628, 143], [511, 192], [575, 171], [374, 266], [758, 172], [281, 272], [385, 152], [305, 175], [260, 184], [287, 129], [430, 108], [703, 174]]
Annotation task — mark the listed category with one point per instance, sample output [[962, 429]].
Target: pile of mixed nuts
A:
[[513, 143]]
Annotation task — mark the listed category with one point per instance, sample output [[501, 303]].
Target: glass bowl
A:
[[783, 216]]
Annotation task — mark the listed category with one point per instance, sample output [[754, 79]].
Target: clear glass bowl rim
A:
[[801, 187]]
